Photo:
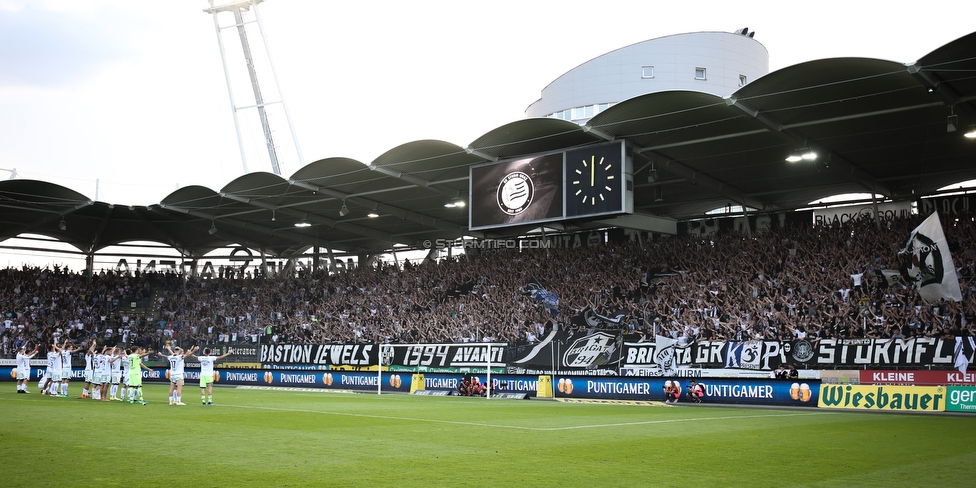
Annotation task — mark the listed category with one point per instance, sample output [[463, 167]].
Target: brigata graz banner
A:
[[425, 355]]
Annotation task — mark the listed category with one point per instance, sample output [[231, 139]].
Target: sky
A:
[[126, 101]]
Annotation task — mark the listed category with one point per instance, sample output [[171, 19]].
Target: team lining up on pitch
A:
[[113, 373]]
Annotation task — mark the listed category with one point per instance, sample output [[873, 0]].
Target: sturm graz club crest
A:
[[515, 193], [387, 355], [803, 351], [926, 260]]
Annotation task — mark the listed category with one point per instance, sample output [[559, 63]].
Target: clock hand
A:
[[592, 171]]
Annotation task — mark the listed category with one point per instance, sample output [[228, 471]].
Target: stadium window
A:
[[742, 80], [647, 72], [588, 111], [699, 73]]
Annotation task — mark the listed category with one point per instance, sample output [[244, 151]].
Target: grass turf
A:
[[312, 438]]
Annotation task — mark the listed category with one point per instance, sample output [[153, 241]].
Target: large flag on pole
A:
[[931, 267]]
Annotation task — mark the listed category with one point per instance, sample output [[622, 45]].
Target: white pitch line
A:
[[516, 427]]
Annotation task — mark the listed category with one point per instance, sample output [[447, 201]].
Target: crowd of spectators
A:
[[807, 282]]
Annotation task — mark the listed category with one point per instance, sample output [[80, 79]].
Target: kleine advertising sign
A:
[[916, 377]]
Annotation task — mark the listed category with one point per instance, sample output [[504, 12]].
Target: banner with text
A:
[[608, 353], [902, 398], [919, 377], [422, 355], [665, 357]]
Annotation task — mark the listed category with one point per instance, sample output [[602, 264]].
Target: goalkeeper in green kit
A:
[[135, 374]]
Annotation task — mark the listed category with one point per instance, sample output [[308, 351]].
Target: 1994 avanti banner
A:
[[602, 353]]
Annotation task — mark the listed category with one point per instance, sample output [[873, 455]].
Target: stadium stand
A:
[[786, 283]]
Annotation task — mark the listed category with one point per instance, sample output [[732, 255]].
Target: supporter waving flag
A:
[[931, 267], [548, 299]]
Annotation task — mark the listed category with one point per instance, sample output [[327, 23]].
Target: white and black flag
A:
[[931, 265], [963, 352]]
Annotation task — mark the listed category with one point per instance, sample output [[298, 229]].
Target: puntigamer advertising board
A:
[[717, 390]]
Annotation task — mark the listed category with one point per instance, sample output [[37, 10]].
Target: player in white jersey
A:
[[23, 367], [207, 374], [124, 360], [100, 367], [52, 375], [176, 361], [66, 367], [103, 372], [116, 374], [89, 370]]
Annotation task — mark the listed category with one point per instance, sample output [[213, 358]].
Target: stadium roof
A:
[[878, 126]]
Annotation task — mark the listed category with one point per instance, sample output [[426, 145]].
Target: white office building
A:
[[718, 63]]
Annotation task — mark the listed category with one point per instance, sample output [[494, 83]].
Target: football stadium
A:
[[681, 268]]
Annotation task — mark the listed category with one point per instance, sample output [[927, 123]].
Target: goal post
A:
[[468, 357]]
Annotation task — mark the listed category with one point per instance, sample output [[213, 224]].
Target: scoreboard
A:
[[591, 181]]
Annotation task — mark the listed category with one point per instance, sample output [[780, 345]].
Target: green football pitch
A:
[[259, 437]]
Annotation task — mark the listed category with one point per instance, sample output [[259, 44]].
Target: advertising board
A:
[[898, 398]]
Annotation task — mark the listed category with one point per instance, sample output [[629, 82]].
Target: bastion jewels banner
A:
[[417, 355]]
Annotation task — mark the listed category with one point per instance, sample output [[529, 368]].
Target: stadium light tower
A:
[[258, 65]]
